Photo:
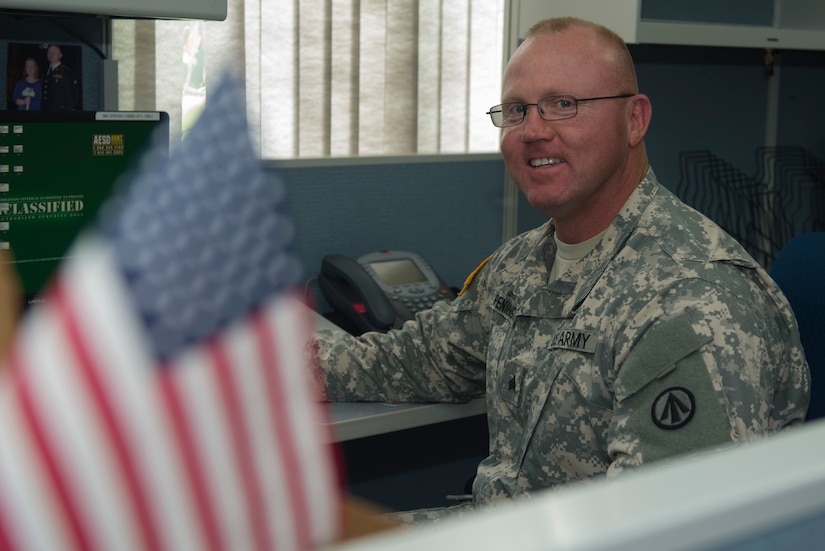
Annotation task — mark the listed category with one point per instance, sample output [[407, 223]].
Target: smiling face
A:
[[578, 170], [53, 54], [31, 69]]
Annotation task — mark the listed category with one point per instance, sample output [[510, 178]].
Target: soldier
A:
[[60, 88], [627, 329]]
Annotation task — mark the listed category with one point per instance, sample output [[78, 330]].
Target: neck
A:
[[603, 209]]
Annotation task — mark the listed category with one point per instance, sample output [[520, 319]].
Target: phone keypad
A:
[[416, 304]]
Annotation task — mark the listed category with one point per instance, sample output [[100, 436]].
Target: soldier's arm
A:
[[712, 369]]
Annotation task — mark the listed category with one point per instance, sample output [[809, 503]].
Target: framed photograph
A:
[[44, 77]]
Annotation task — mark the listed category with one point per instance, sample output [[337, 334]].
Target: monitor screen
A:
[[398, 272], [56, 169]]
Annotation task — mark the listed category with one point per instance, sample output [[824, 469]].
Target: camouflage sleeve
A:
[[438, 357], [704, 371]]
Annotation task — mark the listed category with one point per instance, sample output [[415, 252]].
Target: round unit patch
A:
[[673, 408]]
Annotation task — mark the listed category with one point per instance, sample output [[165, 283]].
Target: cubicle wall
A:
[[448, 209]]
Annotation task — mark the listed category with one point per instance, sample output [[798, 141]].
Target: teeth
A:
[[545, 161]]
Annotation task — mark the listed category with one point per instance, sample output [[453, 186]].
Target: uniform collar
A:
[[584, 275]]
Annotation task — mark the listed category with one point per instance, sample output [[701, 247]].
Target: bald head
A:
[[580, 168], [605, 43]]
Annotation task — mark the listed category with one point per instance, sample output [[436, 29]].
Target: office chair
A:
[[799, 270]]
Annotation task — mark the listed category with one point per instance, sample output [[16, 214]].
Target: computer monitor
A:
[[56, 169]]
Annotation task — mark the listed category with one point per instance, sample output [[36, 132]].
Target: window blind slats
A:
[[336, 77], [454, 76], [429, 71], [344, 82], [400, 92], [278, 94]]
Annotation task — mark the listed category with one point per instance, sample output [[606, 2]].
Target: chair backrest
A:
[[799, 270]]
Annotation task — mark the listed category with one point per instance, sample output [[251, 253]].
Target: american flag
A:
[[159, 398]]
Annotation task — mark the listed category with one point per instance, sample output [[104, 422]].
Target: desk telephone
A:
[[381, 290]]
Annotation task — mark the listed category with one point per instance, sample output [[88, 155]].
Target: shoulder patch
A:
[[473, 274], [673, 408]]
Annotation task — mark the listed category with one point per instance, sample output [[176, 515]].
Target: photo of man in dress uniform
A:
[[60, 85]]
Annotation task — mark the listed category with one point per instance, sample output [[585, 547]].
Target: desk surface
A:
[[351, 420]]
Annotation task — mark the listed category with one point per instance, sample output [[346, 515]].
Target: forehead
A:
[[574, 61]]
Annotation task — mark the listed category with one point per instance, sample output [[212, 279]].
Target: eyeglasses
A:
[[554, 108]]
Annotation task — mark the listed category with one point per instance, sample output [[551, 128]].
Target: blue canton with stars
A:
[[203, 236]]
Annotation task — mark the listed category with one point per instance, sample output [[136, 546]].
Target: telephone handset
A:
[[380, 291]]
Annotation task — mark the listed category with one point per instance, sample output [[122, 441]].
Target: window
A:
[[330, 77]]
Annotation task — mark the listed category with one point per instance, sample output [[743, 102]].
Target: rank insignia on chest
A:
[[510, 393], [572, 339]]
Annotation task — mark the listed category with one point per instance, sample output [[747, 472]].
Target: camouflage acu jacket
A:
[[666, 339]]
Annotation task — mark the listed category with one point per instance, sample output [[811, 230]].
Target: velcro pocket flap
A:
[[659, 350]]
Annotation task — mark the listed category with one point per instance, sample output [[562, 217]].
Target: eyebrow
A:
[[542, 96]]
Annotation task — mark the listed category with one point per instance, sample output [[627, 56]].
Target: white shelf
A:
[[151, 9], [803, 28], [737, 36]]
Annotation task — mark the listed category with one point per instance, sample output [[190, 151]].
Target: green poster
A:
[[55, 174]]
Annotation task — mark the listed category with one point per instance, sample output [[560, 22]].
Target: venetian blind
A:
[[330, 77]]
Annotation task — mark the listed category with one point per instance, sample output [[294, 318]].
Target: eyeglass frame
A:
[[575, 100]]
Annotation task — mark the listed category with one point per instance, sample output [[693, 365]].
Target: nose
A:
[[534, 127]]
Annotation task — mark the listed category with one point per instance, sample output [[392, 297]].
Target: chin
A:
[[543, 206], [543, 199]]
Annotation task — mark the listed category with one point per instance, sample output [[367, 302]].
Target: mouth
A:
[[545, 161]]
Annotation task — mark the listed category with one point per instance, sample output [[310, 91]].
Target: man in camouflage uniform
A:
[[627, 329]]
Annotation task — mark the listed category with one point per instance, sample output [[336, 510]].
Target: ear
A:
[[640, 113]]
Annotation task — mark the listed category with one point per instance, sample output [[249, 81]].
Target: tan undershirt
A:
[[567, 255]]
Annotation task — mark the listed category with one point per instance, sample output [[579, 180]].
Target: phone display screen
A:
[[398, 272]]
